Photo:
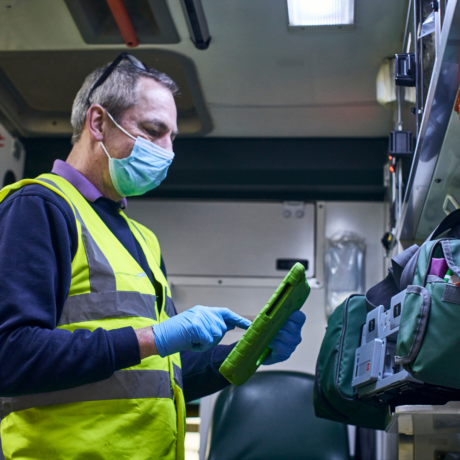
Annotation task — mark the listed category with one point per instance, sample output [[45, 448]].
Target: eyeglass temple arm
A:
[[123, 22], [104, 77]]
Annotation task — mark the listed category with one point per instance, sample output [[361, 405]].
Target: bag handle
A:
[[449, 221], [403, 268], [381, 293]]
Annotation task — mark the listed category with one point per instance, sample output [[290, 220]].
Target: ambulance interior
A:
[[284, 117]]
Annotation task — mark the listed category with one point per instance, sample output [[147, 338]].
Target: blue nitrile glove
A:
[[199, 329], [287, 339]]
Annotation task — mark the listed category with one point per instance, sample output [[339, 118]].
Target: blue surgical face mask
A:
[[144, 169]]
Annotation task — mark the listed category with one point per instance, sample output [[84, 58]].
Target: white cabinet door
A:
[[229, 239]]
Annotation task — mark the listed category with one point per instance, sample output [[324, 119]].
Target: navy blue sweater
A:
[[38, 240]]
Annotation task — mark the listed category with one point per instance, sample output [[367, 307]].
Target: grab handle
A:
[[450, 199], [123, 22]]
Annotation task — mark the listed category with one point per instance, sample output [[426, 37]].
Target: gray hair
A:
[[117, 94]]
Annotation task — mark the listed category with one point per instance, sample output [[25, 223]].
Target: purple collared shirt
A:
[[79, 181]]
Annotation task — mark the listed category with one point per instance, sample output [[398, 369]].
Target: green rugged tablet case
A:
[[251, 350]]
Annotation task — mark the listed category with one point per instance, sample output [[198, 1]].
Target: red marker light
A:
[[390, 157], [392, 169]]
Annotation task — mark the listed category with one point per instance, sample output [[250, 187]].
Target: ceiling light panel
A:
[[304, 13]]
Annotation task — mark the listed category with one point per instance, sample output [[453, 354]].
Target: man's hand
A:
[[199, 329], [287, 339]]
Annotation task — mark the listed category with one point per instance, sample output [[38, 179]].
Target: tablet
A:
[[251, 350]]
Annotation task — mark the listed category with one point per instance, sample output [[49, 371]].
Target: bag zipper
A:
[[341, 348], [322, 396], [408, 366]]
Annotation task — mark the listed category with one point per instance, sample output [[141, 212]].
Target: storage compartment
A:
[[37, 88], [150, 18], [239, 240]]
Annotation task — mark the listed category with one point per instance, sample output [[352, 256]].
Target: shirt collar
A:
[[79, 181]]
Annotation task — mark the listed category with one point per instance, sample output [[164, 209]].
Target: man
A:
[[91, 347]]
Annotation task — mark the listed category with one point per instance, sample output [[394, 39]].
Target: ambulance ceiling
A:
[[255, 80]]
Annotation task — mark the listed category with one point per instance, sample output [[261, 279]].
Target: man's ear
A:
[[95, 122]]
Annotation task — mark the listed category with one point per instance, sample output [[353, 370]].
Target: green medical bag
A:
[[333, 396], [428, 343]]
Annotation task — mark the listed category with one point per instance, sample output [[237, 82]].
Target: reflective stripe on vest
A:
[[121, 385], [118, 304], [101, 275]]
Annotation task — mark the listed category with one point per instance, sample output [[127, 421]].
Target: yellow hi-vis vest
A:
[[139, 412]]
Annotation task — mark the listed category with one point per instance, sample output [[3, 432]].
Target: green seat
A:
[[271, 417]]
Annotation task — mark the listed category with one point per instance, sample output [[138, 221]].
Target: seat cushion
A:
[[271, 417]]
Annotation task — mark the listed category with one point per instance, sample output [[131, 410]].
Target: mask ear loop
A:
[[105, 150], [118, 126]]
